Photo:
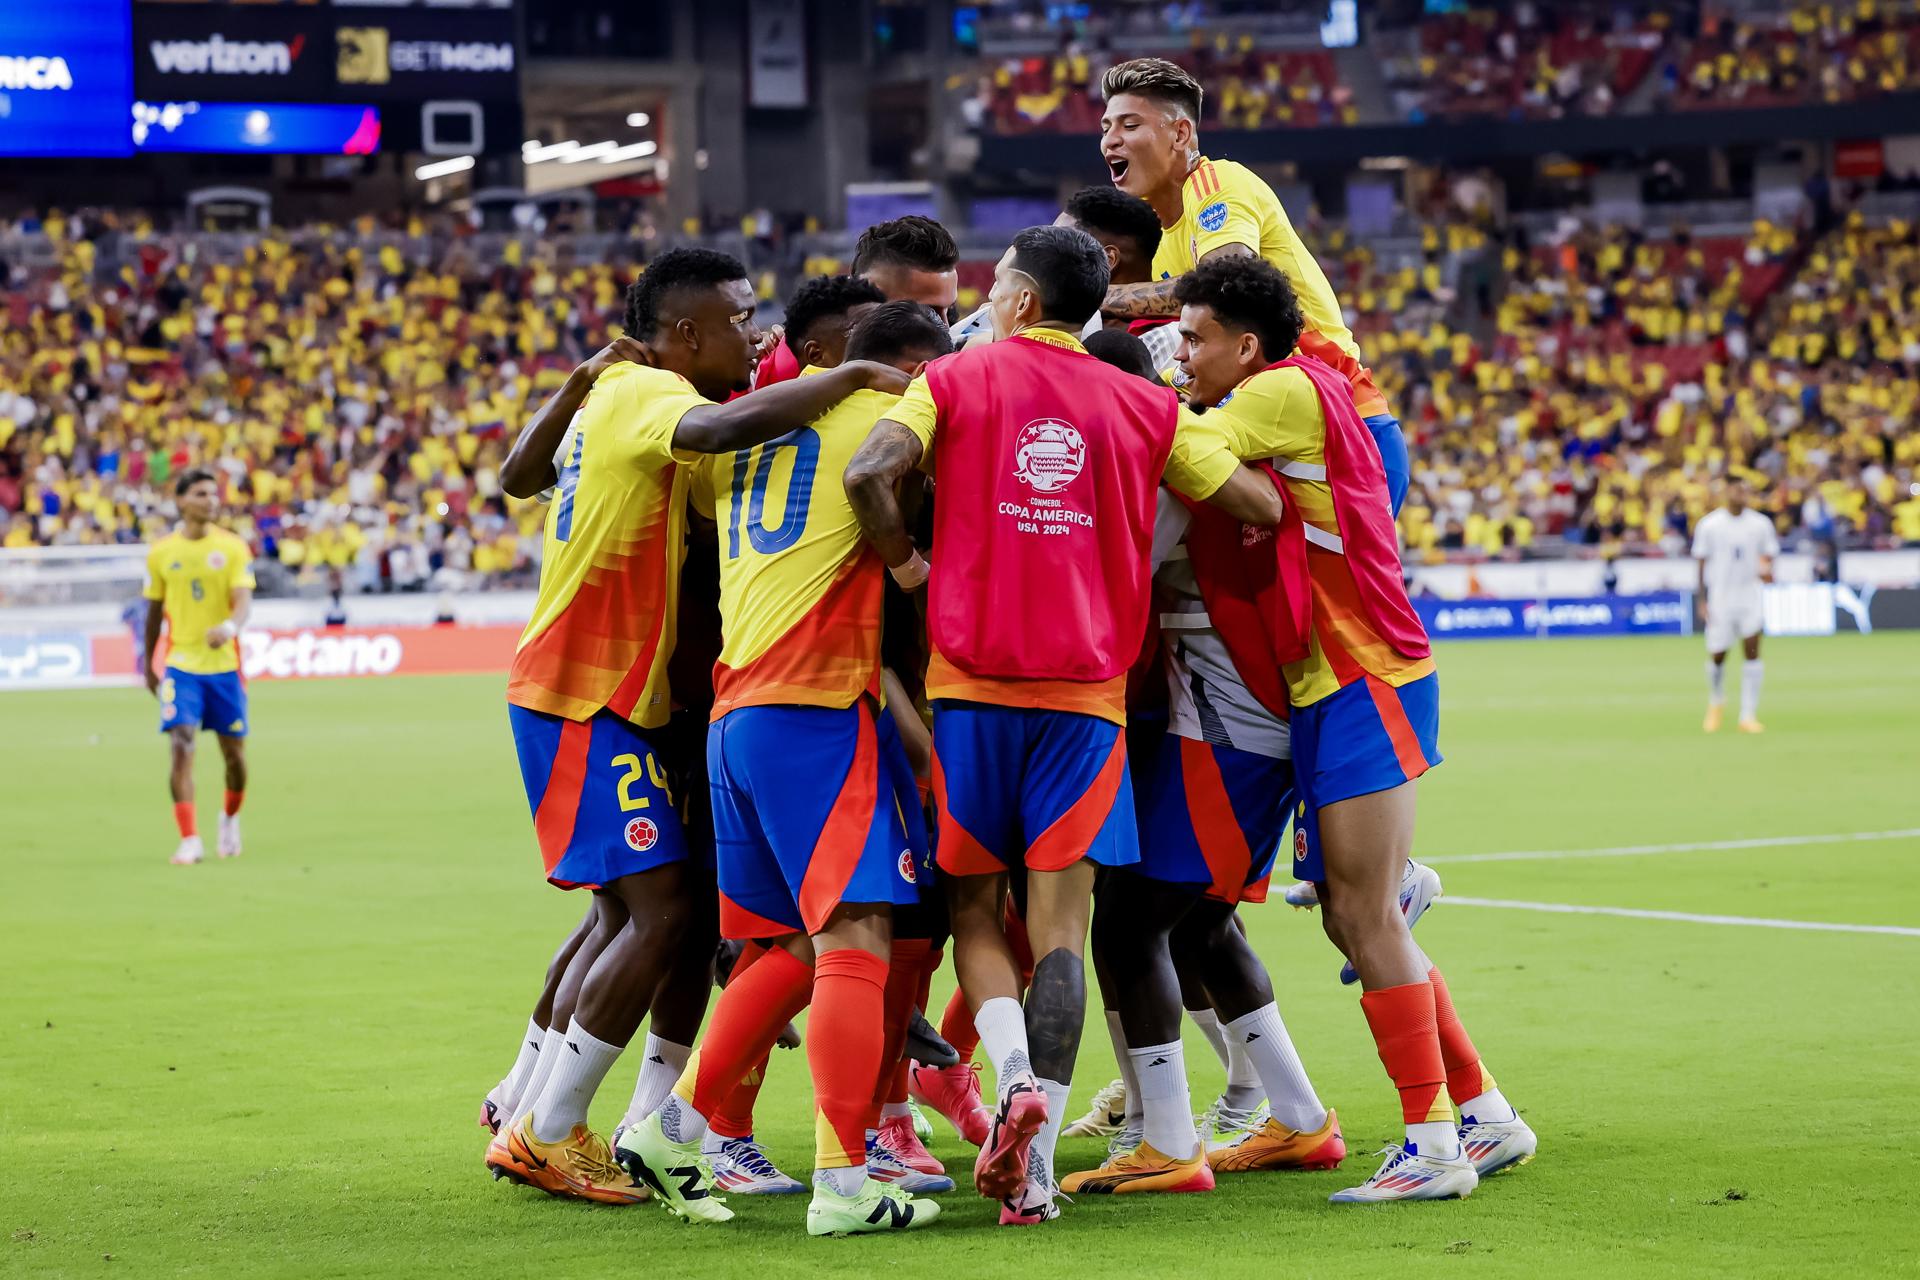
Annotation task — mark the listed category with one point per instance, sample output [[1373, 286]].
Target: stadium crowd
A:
[[358, 402]]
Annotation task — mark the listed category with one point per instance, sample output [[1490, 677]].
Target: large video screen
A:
[[66, 78]]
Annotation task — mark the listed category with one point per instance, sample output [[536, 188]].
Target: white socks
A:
[[1002, 1025], [661, 1065], [679, 1121], [549, 1058], [893, 1110], [506, 1094], [1751, 673], [1123, 1058], [1490, 1107], [1040, 1158], [1263, 1037], [1161, 1070], [844, 1182], [1716, 683], [1209, 1023], [584, 1063], [1438, 1139]]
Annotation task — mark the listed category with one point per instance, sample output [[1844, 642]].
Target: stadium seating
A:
[[1815, 52]]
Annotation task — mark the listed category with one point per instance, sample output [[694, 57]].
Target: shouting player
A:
[[1048, 461], [1364, 701], [587, 693], [1735, 546], [812, 858], [200, 584]]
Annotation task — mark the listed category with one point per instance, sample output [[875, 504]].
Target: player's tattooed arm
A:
[[759, 416], [529, 468], [872, 480], [1133, 301]]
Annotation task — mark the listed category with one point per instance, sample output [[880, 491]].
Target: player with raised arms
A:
[[1364, 700], [811, 827], [200, 585], [587, 690], [1735, 546], [1048, 462]]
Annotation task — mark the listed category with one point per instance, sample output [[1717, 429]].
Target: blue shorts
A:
[[806, 817], [1392, 443], [1040, 789], [598, 789], [218, 702], [924, 874], [1212, 817], [1366, 737]]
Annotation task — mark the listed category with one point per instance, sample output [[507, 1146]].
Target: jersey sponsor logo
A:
[[642, 834], [907, 872], [1214, 216], [1048, 455]]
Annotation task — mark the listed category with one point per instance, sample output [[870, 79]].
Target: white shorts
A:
[[1727, 623]]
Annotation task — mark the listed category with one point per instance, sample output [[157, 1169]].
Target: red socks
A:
[[746, 1021], [734, 1119], [1466, 1077], [903, 983], [233, 801], [956, 1026], [183, 818], [845, 1044], [1404, 1028]]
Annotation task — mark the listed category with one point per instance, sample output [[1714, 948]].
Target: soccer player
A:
[[815, 838], [1048, 461], [1364, 705], [1209, 209], [910, 259], [200, 584], [587, 692], [1735, 546], [823, 311]]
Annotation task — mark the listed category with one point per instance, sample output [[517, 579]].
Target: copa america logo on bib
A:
[[1048, 454]]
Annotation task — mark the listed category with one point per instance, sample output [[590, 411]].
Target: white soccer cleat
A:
[[229, 835], [1408, 1175], [742, 1167], [1419, 886], [1105, 1118], [1223, 1126], [1302, 895], [1496, 1145], [189, 852], [1033, 1204], [887, 1168]]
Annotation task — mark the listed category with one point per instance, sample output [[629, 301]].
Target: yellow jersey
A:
[[800, 589], [1225, 203], [603, 620], [1276, 415], [194, 579]]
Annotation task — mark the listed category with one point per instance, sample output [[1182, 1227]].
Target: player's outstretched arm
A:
[[759, 416], [529, 468], [873, 480]]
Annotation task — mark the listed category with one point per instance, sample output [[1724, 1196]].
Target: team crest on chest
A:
[[216, 560], [1048, 454]]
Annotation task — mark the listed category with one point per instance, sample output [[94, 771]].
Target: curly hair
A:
[[821, 297], [1250, 294], [1113, 211], [918, 243], [675, 269], [1164, 82]]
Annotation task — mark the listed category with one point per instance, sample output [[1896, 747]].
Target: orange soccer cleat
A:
[[579, 1166], [1274, 1146], [1142, 1169]]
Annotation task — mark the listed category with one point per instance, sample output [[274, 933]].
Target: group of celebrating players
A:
[[1152, 626]]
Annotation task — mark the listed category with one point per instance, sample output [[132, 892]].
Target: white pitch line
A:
[[1697, 846], [1685, 917]]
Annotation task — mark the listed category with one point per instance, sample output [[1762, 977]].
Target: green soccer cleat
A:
[[922, 1127], [679, 1175], [877, 1207]]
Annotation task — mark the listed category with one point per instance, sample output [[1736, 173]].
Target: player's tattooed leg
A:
[[1056, 1010]]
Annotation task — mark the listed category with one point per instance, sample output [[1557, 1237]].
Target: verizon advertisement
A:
[[234, 53], [303, 653]]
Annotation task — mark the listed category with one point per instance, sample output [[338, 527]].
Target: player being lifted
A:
[[815, 811], [1364, 700], [1735, 546], [587, 691], [1048, 463], [200, 584]]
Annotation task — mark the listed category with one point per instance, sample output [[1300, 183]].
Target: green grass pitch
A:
[[272, 1066]]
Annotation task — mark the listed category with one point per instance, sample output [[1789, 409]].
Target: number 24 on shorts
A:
[[633, 766]]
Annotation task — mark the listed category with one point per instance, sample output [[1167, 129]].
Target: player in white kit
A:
[[1735, 546]]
